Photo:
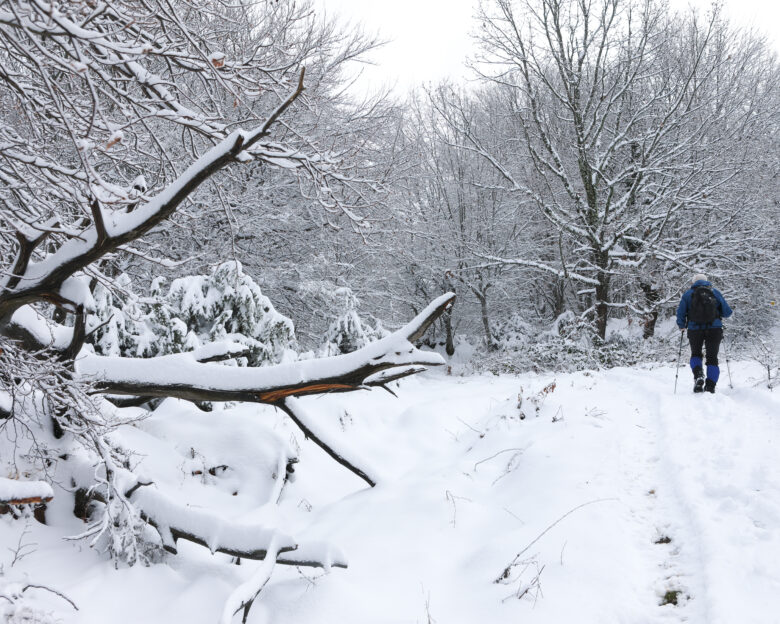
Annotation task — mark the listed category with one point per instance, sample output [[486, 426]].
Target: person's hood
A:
[[706, 283]]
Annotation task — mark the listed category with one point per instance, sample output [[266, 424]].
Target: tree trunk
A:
[[651, 299], [489, 341], [450, 339], [602, 294]]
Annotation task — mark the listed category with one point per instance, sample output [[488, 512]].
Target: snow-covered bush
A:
[[195, 310], [348, 332], [512, 333], [568, 344]]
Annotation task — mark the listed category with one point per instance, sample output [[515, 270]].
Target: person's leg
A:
[[712, 340], [696, 339]]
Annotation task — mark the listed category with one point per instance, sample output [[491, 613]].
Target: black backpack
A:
[[704, 306]]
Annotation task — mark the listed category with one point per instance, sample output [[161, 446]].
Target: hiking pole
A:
[[679, 355], [728, 368]]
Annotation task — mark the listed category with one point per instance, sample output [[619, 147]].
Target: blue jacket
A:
[[685, 303]]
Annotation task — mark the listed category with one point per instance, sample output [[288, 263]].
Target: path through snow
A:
[[682, 497]]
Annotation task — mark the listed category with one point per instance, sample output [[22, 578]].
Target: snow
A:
[[614, 493], [46, 333], [15, 490], [76, 290]]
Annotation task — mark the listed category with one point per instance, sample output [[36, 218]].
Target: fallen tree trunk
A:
[[183, 376], [192, 376]]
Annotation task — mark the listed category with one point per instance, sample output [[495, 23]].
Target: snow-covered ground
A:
[[610, 498]]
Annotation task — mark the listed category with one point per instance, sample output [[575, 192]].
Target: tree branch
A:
[[291, 407], [26, 248], [250, 541], [182, 376], [77, 253], [79, 335]]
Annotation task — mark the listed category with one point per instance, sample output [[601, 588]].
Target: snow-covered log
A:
[[174, 521], [13, 492], [182, 376]]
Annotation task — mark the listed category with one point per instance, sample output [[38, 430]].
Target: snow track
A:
[[724, 461]]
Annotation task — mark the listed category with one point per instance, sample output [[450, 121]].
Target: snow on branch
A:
[[244, 595], [44, 279], [13, 492], [182, 376], [564, 272], [174, 521]]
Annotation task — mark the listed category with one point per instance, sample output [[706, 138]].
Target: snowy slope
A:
[[467, 488]]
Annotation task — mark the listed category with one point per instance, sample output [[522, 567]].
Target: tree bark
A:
[[652, 297], [483, 306], [602, 293]]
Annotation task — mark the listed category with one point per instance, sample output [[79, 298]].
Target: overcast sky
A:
[[429, 39]]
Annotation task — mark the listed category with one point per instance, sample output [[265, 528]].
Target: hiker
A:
[[700, 310]]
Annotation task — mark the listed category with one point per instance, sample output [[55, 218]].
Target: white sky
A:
[[429, 39]]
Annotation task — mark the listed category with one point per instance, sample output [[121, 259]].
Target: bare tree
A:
[[451, 203], [633, 119]]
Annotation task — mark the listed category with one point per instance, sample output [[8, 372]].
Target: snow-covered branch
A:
[[13, 492], [182, 376], [44, 279], [249, 541]]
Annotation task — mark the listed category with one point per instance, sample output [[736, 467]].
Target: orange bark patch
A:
[[27, 501], [272, 396]]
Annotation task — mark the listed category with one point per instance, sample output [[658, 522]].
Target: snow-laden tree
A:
[[348, 332], [116, 120], [637, 121], [195, 310]]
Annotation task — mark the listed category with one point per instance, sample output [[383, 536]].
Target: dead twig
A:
[[507, 570]]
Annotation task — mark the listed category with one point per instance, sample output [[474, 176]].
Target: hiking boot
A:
[[698, 379], [709, 386]]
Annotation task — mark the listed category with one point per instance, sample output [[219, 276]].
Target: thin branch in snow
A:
[[506, 572]]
